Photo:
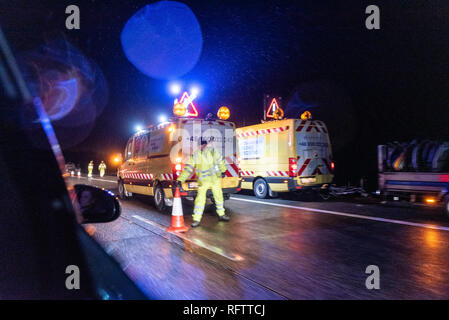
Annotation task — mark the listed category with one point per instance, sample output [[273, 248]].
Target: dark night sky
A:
[[370, 86]]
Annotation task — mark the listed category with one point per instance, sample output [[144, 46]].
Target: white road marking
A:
[[115, 182], [148, 221], [198, 242], [110, 181], [352, 215], [414, 224]]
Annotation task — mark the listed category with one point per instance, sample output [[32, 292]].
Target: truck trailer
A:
[[415, 171]]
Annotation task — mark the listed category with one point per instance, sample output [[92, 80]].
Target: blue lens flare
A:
[[163, 40], [62, 98], [71, 88]]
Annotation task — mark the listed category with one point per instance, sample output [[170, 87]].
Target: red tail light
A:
[[292, 167], [177, 168], [332, 166]]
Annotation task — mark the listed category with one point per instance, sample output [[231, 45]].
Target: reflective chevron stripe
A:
[[277, 173], [167, 176], [262, 132], [307, 126], [232, 170], [138, 176]]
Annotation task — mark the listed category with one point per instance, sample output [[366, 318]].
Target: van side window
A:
[[137, 143], [141, 145], [145, 145], [129, 149]]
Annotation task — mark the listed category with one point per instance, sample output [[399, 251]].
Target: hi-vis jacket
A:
[[209, 165]]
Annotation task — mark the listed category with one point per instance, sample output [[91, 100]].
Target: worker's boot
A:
[[195, 224], [224, 217]]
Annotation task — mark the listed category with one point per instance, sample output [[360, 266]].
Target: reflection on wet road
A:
[[286, 249]]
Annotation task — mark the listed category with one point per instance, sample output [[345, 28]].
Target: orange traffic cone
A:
[[177, 216]]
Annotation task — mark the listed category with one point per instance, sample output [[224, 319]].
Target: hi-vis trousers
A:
[[200, 200]]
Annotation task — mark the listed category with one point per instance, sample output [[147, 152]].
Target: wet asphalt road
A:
[[281, 248]]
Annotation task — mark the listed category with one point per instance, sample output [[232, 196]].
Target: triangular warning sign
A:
[[187, 101], [273, 109]]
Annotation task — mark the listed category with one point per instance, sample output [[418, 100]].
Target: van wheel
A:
[[260, 188], [324, 194], [122, 194], [159, 199]]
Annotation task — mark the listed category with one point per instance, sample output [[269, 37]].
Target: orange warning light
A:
[[179, 109], [223, 113], [306, 115]]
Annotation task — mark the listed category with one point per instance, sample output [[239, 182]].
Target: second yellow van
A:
[[284, 156]]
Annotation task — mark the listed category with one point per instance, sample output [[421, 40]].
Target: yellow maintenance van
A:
[[154, 158], [285, 155]]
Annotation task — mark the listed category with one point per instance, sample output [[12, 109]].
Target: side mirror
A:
[[97, 205]]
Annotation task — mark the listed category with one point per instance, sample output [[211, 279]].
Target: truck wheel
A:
[[159, 199], [122, 194], [446, 206], [260, 188]]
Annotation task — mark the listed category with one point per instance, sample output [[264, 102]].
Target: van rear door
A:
[[312, 148], [222, 137]]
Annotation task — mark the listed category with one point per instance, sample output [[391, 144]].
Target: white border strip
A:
[[414, 224], [115, 182], [86, 178]]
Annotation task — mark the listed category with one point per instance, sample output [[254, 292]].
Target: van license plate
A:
[[308, 180], [193, 185]]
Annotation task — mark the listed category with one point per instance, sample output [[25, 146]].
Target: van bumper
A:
[[290, 184], [226, 191], [295, 185], [322, 182]]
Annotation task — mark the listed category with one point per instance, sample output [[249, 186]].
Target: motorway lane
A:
[[163, 270], [274, 252]]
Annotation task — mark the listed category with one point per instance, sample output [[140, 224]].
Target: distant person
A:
[[102, 168], [78, 170], [90, 168], [210, 168]]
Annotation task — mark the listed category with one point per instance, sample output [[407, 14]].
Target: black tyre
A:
[[260, 188], [324, 194], [432, 151], [159, 199], [122, 194], [446, 206], [440, 161], [394, 150], [408, 156], [424, 154], [416, 158]]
